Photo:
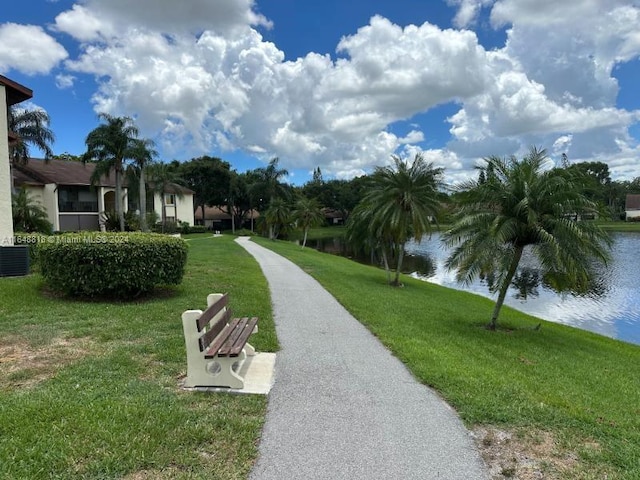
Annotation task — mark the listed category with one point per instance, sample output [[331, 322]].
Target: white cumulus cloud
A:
[[199, 77], [28, 49]]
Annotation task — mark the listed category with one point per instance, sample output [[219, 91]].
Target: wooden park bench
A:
[[216, 344]]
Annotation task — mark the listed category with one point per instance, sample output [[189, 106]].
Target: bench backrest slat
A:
[[214, 330], [212, 311]]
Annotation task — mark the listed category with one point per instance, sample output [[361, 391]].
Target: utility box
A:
[[14, 261]]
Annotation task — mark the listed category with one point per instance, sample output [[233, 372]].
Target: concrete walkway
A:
[[342, 407]]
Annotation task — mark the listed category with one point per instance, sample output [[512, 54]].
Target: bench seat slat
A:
[[243, 337], [212, 311], [215, 331], [219, 341], [239, 325]]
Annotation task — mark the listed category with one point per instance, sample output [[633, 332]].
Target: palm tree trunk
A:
[[143, 201], [396, 282], [304, 239], [119, 199], [204, 222], [233, 220], [164, 214], [517, 255], [386, 265]]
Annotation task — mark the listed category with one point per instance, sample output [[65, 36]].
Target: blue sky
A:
[[339, 85]]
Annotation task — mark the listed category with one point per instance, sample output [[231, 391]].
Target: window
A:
[[169, 199], [77, 199]]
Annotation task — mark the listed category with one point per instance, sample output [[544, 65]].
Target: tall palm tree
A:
[[110, 145], [268, 186], [31, 128], [403, 199], [142, 153], [307, 213], [521, 204]]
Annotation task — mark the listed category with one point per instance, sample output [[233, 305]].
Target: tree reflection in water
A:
[[421, 264], [526, 281]]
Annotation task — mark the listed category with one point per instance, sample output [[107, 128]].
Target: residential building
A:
[[218, 219], [632, 206], [72, 202], [11, 93]]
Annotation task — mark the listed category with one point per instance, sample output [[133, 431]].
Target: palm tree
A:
[[307, 214], [31, 128], [110, 145], [277, 217], [28, 215], [521, 204], [142, 154], [402, 201], [364, 234], [268, 185]]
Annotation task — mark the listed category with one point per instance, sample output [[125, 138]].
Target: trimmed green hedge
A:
[[116, 265]]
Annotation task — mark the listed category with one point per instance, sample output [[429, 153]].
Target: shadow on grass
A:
[[158, 293]]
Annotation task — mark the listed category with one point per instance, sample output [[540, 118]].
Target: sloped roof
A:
[[177, 189], [69, 172], [16, 93], [632, 202], [63, 172], [22, 178]]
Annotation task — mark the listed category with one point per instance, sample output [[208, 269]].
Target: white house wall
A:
[[157, 205], [51, 204], [182, 211], [42, 195], [184, 207], [6, 218], [633, 213]]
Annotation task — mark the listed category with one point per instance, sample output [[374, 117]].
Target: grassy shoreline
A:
[[579, 389], [620, 226]]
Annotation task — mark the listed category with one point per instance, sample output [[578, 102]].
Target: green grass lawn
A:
[[620, 226], [579, 389], [89, 389]]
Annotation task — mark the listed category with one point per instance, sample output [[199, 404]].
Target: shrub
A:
[[114, 265], [244, 232], [182, 227], [169, 226], [197, 229], [112, 221], [31, 240], [28, 214]]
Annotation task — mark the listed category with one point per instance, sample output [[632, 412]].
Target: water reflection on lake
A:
[[611, 307]]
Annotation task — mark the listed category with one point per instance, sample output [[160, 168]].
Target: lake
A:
[[611, 307]]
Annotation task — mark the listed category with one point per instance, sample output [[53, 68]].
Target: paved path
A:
[[342, 407]]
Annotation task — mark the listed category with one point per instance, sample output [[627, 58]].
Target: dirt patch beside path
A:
[[525, 454], [24, 365]]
